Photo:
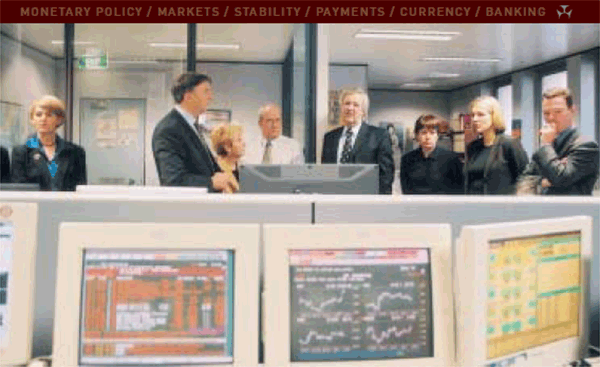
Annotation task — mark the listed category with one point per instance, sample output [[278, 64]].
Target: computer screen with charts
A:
[[364, 297], [533, 297], [389, 288], [143, 302], [18, 245]]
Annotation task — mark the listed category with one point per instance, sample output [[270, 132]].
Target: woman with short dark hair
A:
[[430, 169]]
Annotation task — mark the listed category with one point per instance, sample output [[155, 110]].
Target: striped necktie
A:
[[347, 147], [267, 155]]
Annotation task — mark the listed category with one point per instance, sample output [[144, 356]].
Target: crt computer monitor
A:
[[357, 179], [358, 295], [522, 292], [18, 238], [156, 294]]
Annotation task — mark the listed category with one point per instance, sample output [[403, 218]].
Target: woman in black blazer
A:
[[494, 161], [46, 158]]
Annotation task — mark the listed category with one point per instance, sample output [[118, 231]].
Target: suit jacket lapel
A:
[[196, 141], [361, 138], [337, 135]]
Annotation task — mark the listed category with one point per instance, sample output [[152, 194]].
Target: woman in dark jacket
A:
[[47, 159], [494, 161]]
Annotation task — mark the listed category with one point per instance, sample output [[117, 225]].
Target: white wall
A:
[[241, 88], [341, 76], [403, 108]]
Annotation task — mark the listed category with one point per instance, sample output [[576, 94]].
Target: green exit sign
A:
[[96, 62]]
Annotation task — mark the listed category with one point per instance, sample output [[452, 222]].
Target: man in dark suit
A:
[[4, 166], [566, 163], [180, 143], [430, 169], [358, 142]]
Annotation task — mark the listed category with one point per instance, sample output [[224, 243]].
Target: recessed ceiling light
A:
[[417, 85], [444, 75], [134, 61], [459, 59], [77, 43], [199, 45], [407, 35]]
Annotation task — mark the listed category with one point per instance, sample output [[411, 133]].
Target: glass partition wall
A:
[[31, 60]]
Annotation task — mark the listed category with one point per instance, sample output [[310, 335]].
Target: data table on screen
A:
[[534, 292], [156, 307]]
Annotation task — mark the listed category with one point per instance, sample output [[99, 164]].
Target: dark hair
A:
[[427, 121], [186, 82]]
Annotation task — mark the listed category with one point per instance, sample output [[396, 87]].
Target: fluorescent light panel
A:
[[444, 75], [199, 45], [407, 35], [77, 43], [458, 59], [417, 85], [134, 61]]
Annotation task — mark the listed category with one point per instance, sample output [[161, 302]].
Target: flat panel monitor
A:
[[358, 295], [157, 294], [140, 190], [522, 292], [355, 179], [19, 187], [18, 238]]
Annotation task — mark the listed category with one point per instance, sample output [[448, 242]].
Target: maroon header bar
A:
[[132, 11]]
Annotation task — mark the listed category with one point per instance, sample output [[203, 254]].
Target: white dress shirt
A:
[[202, 121], [355, 130], [284, 150]]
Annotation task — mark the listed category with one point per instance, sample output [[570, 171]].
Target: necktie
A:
[[347, 147], [267, 156], [203, 132]]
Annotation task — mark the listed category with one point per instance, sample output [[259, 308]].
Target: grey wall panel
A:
[[54, 212], [459, 213]]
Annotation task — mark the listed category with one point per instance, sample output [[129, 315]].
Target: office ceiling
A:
[[518, 46], [391, 63]]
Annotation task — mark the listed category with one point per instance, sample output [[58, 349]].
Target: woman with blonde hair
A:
[[494, 161], [47, 159], [228, 143]]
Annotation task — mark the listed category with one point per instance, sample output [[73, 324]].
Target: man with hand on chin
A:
[[566, 163], [358, 142], [181, 144]]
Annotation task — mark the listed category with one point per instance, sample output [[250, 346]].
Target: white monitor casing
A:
[[471, 287], [22, 217], [280, 239], [75, 238]]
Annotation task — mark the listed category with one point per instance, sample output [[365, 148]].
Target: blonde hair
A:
[[222, 137], [362, 95], [51, 104], [490, 103]]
